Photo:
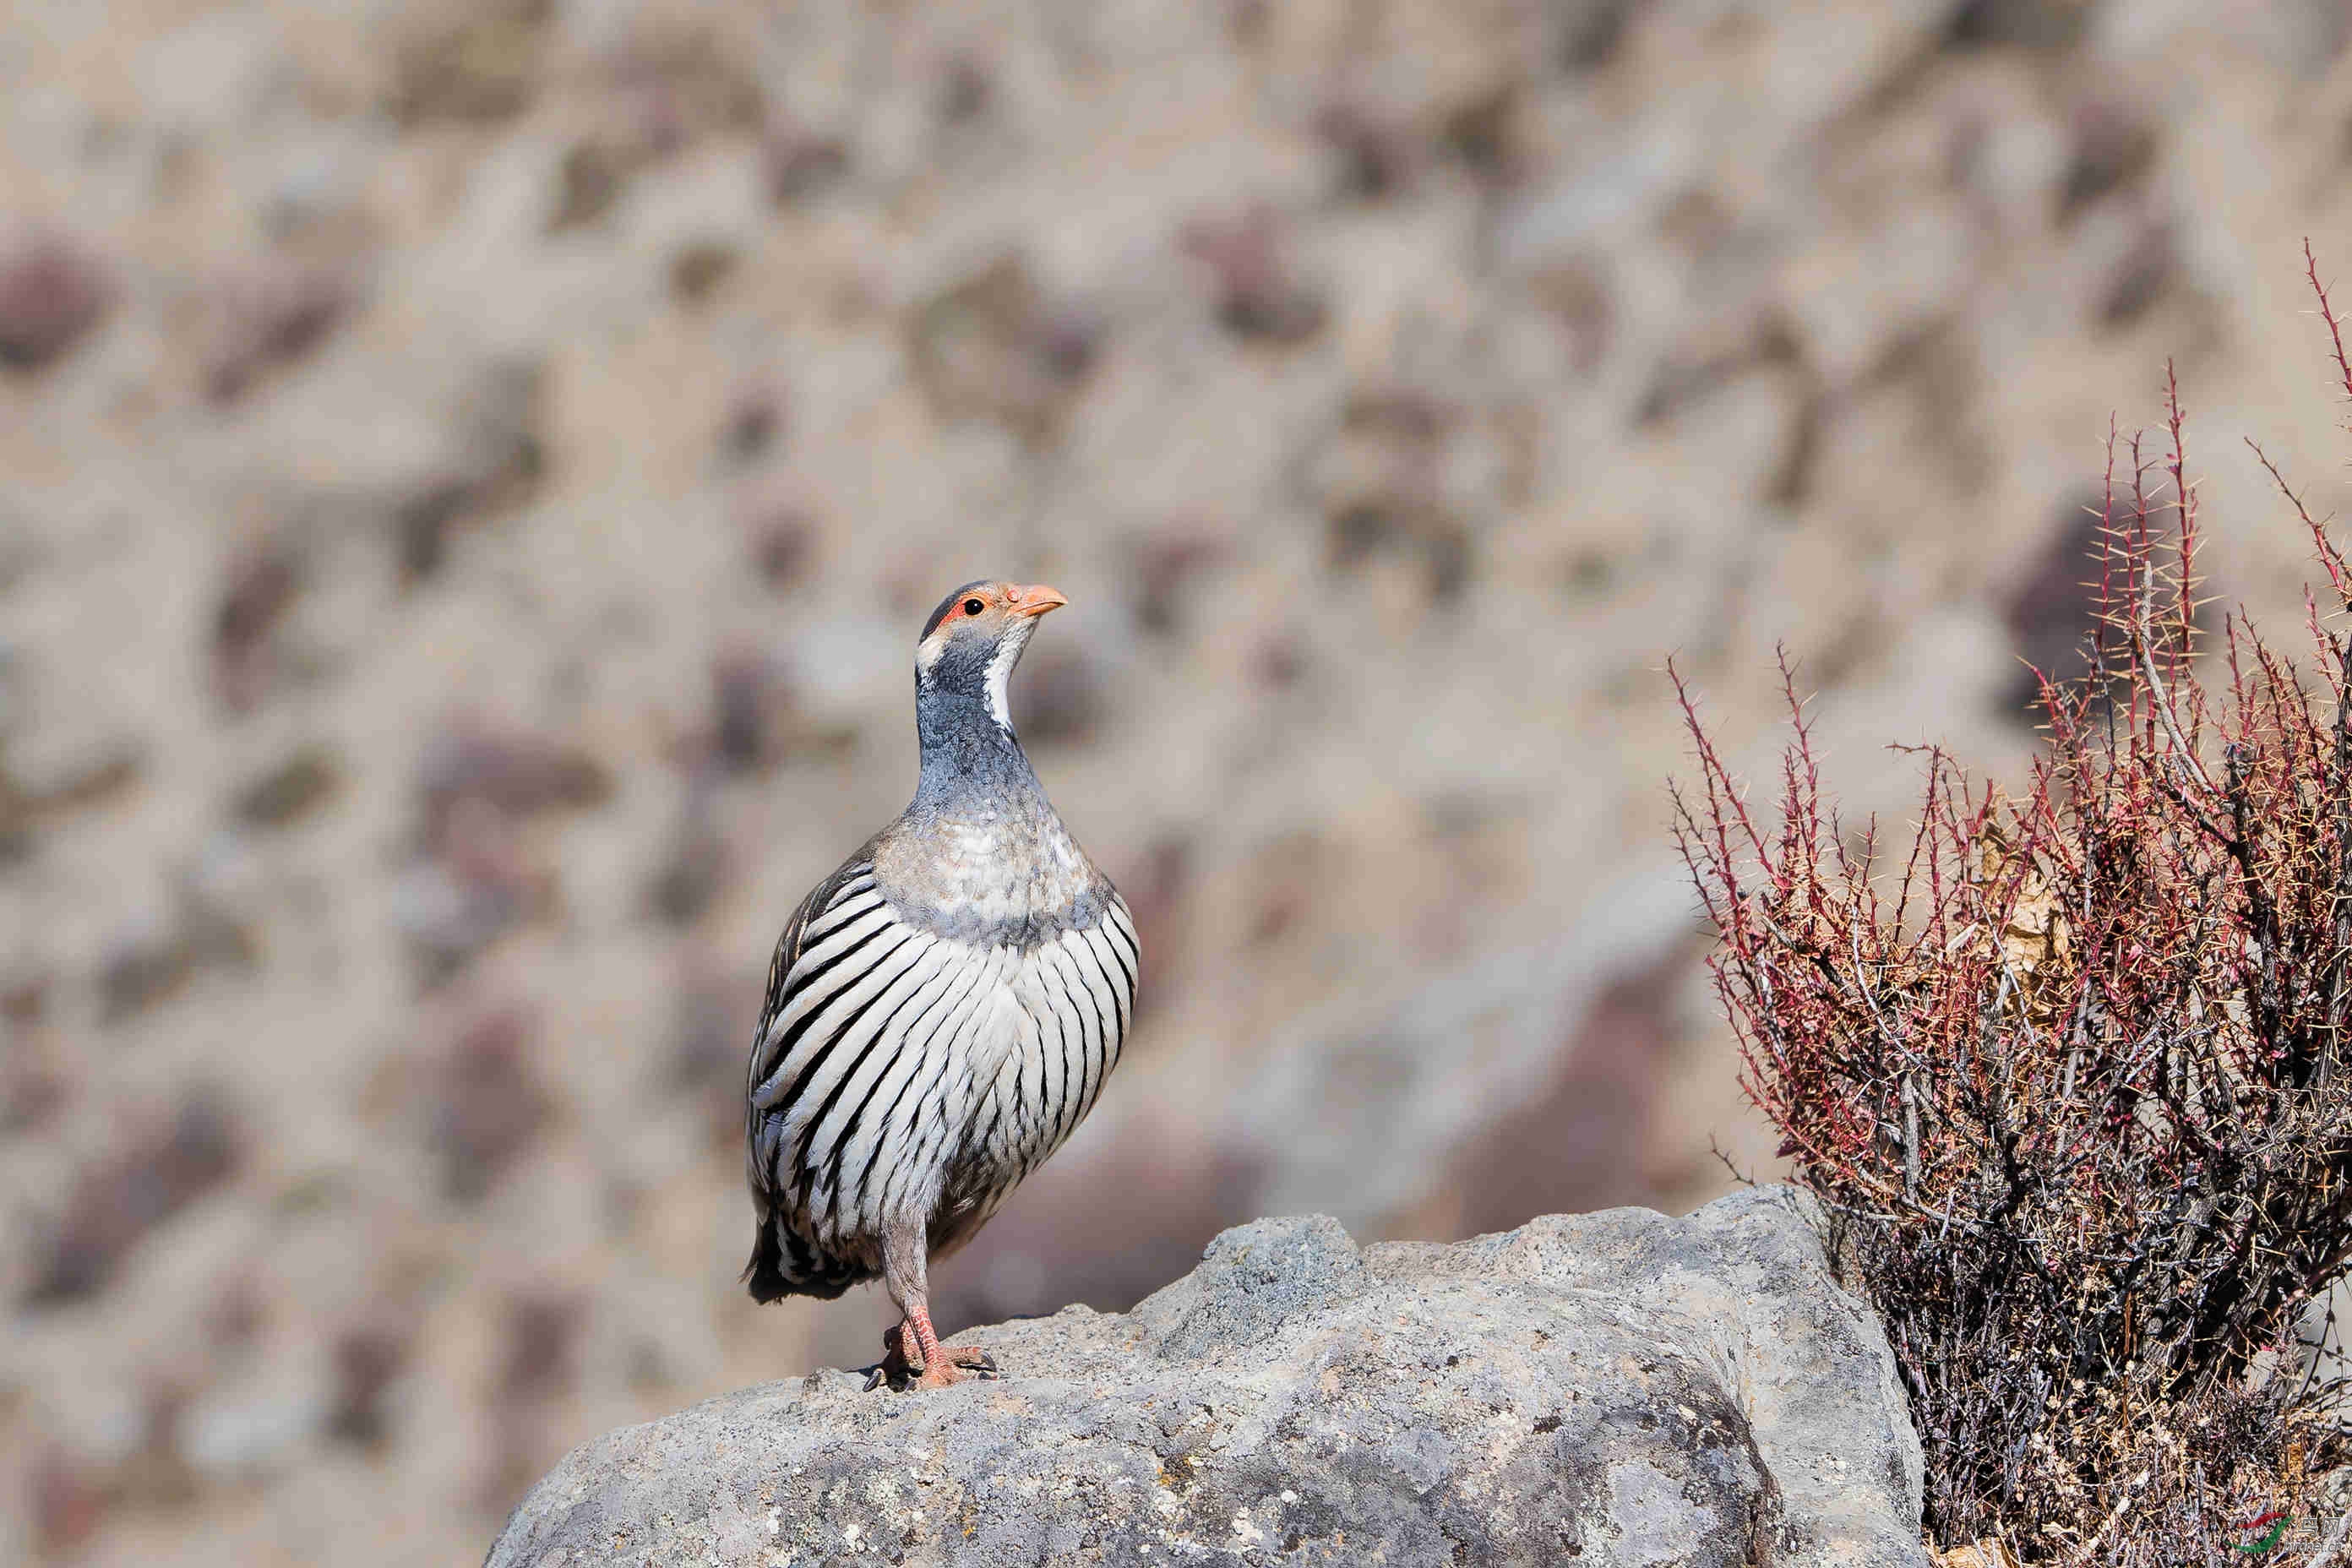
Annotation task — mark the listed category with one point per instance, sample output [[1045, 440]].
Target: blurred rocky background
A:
[[473, 473]]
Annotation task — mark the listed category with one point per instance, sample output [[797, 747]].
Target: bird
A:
[[942, 1011]]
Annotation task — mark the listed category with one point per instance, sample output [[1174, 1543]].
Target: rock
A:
[[996, 345], [260, 585], [471, 64], [1059, 701], [1257, 294], [486, 1102], [53, 290], [800, 162], [368, 1355], [269, 315], [698, 270], [493, 464], [164, 1160], [782, 528], [289, 792], [1615, 1388]]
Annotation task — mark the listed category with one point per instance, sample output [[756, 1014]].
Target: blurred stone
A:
[[696, 271], [368, 1355], [221, 892], [1283, 876], [156, 1473], [1577, 1143], [290, 791], [260, 585], [66, 1501], [1369, 1105], [269, 315], [1714, 354], [238, 1313], [53, 291], [1383, 479], [1405, 523], [2023, 24], [141, 965], [781, 528], [590, 180], [712, 1014], [240, 1436], [476, 886], [498, 469], [1255, 292], [992, 347], [677, 79], [1378, 155], [1619, 1389], [1577, 298], [695, 865], [24, 994], [34, 1082], [2148, 266], [966, 88], [2113, 144], [757, 421], [1059, 700], [800, 162], [1163, 562], [474, 63], [751, 708], [1790, 482], [512, 770], [1279, 659], [538, 1364], [161, 1163], [538, 1360], [1483, 132], [1591, 31], [209, 921], [68, 766], [2052, 609], [485, 1101]]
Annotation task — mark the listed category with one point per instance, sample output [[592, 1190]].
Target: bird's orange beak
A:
[[1035, 599]]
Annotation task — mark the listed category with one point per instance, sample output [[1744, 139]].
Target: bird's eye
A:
[[973, 606]]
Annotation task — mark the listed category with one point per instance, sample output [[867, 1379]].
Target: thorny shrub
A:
[[2071, 1080]]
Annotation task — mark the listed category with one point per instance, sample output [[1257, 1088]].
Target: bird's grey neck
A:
[[965, 747], [945, 865]]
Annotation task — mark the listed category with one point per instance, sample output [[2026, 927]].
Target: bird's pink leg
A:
[[913, 1348]]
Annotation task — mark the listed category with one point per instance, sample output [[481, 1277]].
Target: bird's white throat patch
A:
[[1000, 669]]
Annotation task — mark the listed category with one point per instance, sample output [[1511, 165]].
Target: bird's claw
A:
[[957, 1364]]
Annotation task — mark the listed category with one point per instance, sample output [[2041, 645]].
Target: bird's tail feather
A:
[[784, 1264]]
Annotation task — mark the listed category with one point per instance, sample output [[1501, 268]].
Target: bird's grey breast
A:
[[989, 873]]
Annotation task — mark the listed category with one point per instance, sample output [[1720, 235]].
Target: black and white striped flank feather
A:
[[944, 1010]]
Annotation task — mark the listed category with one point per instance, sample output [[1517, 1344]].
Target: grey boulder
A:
[[1615, 1388]]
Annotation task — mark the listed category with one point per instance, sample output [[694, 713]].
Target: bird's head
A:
[[973, 639]]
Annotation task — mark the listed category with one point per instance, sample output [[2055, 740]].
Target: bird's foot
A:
[[952, 1364]]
